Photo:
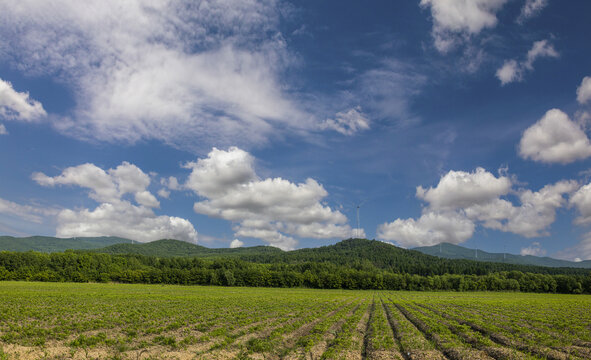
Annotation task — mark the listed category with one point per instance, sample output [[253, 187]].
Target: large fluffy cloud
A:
[[183, 72], [555, 138], [430, 229], [16, 105], [461, 200], [459, 189], [513, 71], [584, 90], [454, 20], [116, 215], [273, 209]]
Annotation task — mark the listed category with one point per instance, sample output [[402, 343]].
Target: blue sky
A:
[[239, 123]]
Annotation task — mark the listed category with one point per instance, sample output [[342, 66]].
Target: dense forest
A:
[[350, 264]]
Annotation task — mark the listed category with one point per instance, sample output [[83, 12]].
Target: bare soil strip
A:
[[544, 352], [367, 332], [373, 351], [394, 326], [356, 350]]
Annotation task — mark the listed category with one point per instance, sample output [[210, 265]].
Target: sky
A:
[[242, 123]]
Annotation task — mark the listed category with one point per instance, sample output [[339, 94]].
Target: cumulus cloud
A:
[[584, 90], [509, 72], [555, 138], [430, 229], [460, 189], [456, 20], [537, 210], [273, 209], [535, 249], [582, 201], [182, 72], [530, 9], [115, 215], [462, 200], [348, 122], [513, 71], [3, 130], [236, 244], [16, 105]]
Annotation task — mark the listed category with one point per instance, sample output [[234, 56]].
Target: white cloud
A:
[[348, 122], [462, 200], [582, 201], [456, 20], [430, 229], [538, 209], [535, 249], [460, 189], [163, 193], [171, 183], [358, 233], [125, 220], [3, 130], [584, 90], [272, 209], [188, 74], [540, 49], [530, 9], [31, 213], [16, 105], [555, 138], [236, 244], [509, 72], [513, 71], [115, 216]]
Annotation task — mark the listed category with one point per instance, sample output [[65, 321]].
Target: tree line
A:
[[76, 266]]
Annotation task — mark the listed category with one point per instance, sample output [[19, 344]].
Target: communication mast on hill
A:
[[357, 233]]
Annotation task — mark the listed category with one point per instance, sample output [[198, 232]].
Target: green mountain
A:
[[171, 248], [358, 254], [450, 251], [50, 244]]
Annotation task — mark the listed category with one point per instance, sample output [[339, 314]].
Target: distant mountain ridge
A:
[[450, 251], [357, 252], [49, 244], [171, 248]]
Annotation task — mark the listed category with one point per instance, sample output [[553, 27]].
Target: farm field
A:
[[118, 321]]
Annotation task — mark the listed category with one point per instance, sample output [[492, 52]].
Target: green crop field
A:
[[117, 321]]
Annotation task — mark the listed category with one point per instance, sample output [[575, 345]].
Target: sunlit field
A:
[[117, 321]]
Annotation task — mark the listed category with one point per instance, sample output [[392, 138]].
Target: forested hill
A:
[[359, 254], [350, 264], [50, 244], [450, 251], [172, 248]]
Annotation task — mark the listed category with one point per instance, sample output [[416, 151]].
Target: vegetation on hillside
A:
[[350, 264]]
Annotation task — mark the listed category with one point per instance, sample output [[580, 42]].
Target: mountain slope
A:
[[171, 248], [450, 251], [50, 244]]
